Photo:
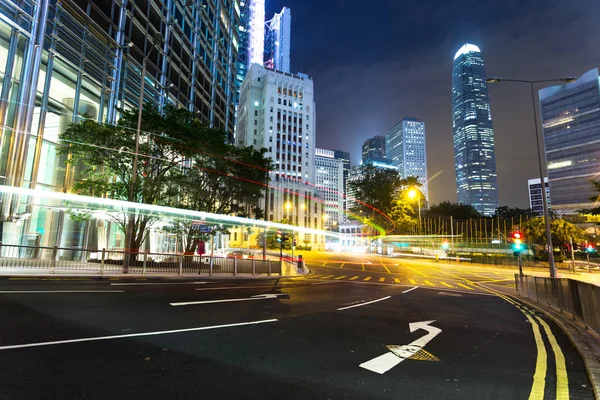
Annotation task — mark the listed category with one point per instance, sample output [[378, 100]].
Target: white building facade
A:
[[278, 35], [329, 175], [277, 112], [405, 148]]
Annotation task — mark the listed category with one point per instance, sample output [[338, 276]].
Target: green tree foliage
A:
[[456, 210], [562, 231], [506, 212]]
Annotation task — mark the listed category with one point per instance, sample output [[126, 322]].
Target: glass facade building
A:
[[571, 124], [329, 179], [345, 157], [62, 61], [373, 150], [277, 41], [405, 148], [473, 135]]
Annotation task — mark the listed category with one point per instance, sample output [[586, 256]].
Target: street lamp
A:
[[568, 79], [412, 194], [156, 40]]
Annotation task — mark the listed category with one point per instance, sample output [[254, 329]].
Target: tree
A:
[[378, 188], [455, 210], [102, 158], [562, 233], [506, 212]]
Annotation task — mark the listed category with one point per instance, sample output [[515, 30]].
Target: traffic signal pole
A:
[[520, 264]]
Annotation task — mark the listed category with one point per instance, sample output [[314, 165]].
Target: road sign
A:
[[399, 353]]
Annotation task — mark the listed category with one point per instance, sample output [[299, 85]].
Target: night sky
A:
[[375, 62]]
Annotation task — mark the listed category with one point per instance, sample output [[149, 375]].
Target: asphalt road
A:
[[303, 338]]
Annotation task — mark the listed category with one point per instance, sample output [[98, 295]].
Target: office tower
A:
[[570, 116], [474, 156], [405, 149], [61, 61], [277, 41], [535, 196], [345, 157], [329, 179], [277, 112], [373, 150]]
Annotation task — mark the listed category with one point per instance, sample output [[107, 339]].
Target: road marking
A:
[[410, 290], [325, 283], [340, 277], [382, 279], [238, 287], [539, 377], [464, 286], [23, 279], [412, 281], [365, 303], [562, 382], [58, 291], [445, 284], [363, 266], [429, 283], [324, 264], [268, 296], [386, 268], [157, 283], [353, 278], [368, 278], [328, 277], [316, 276], [342, 266], [396, 280], [155, 333], [399, 353]]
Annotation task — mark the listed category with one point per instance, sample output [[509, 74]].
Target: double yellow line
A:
[[541, 365]]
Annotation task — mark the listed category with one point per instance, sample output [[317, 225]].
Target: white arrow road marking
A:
[[265, 296], [399, 353]]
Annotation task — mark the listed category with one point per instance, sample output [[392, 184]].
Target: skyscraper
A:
[[277, 41], [474, 156], [570, 116], [277, 112], [329, 179], [251, 39], [63, 62], [535, 196], [345, 157], [405, 149], [373, 150]]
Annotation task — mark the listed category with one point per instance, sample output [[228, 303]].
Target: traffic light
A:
[[279, 236], [589, 248], [295, 242], [445, 245], [517, 243]]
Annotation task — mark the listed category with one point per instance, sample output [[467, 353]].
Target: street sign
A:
[[399, 353]]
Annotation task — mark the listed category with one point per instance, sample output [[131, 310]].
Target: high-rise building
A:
[[405, 149], [474, 155], [345, 157], [571, 124], [277, 112], [63, 61], [277, 41], [535, 196], [373, 150], [329, 179]]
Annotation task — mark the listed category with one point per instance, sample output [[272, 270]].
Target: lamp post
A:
[[156, 39], [569, 79], [412, 194]]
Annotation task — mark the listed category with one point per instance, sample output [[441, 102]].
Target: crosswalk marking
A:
[[328, 277], [412, 281], [340, 277], [342, 266], [316, 276], [464, 286], [445, 284], [368, 278], [429, 283], [353, 278], [381, 279], [396, 280]]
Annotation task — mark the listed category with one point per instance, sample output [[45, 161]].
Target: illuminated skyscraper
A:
[[373, 150], [474, 156], [277, 41]]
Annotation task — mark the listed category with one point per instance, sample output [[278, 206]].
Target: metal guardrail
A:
[[581, 299], [62, 259]]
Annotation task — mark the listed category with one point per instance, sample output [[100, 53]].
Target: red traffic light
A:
[[517, 235]]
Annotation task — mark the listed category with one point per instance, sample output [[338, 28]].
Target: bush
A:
[[305, 248]]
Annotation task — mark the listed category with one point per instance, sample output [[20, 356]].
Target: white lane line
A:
[[364, 304], [267, 296], [239, 287], [409, 290], [128, 335], [58, 291], [157, 283]]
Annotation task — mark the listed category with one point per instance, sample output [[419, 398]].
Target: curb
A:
[[585, 341], [140, 277]]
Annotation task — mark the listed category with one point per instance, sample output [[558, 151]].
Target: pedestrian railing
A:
[[580, 299], [40, 259]]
